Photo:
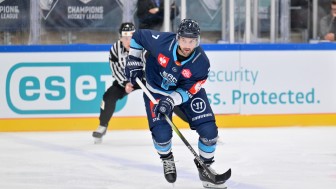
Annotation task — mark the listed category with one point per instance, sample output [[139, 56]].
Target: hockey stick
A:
[[214, 177]]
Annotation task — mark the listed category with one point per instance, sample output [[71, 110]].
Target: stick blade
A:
[[213, 176], [223, 177]]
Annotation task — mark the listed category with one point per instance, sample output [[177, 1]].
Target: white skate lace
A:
[[169, 166]]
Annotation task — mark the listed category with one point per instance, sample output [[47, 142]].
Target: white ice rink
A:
[[260, 158]]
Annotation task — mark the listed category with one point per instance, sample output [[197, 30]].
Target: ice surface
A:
[[260, 158]]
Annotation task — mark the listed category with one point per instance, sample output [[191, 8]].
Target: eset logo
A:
[[49, 88]]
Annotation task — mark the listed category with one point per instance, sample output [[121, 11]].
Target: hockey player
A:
[[176, 69], [121, 86]]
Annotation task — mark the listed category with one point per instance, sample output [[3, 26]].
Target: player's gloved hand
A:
[[165, 106], [133, 69]]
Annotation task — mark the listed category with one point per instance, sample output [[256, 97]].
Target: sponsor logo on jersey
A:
[[198, 105], [163, 60], [167, 80], [201, 116], [186, 73], [196, 87]]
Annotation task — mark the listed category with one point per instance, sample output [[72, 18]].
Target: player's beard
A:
[[185, 51]]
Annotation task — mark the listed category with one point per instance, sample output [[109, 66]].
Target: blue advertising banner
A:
[[14, 14], [81, 14]]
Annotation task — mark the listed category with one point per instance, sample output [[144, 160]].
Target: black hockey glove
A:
[[165, 106], [133, 69]]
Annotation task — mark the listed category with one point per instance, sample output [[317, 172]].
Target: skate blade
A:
[[98, 140], [210, 185]]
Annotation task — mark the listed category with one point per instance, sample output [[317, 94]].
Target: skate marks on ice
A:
[[275, 158], [64, 160]]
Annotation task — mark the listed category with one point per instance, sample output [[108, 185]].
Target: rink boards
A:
[[60, 87]]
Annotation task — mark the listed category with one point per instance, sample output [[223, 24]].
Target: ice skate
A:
[[98, 134], [206, 181], [169, 168]]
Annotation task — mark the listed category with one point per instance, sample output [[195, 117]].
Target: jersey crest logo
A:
[[155, 36], [196, 87], [163, 60], [186, 73], [168, 80]]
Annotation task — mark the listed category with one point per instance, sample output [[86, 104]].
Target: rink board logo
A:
[[52, 88]]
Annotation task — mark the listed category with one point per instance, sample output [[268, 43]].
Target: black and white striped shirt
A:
[[118, 55]]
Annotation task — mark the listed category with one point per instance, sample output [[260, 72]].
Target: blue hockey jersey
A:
[[164, 73]]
